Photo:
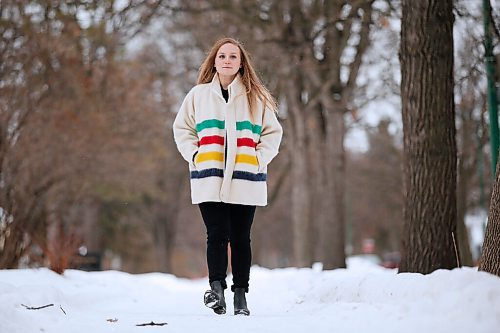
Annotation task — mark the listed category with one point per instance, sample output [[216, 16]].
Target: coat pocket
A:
[[247, 161]]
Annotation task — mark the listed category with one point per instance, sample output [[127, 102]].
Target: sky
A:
[[362, 298]]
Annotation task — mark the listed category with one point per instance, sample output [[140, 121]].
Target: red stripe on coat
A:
[[213, 139], [246, 142]]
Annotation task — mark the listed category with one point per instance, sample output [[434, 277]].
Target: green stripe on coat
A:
[[241, 125], [209, 124]]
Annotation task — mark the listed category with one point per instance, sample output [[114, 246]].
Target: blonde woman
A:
[[227, 131]]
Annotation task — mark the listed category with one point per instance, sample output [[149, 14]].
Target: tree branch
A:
[[152, 324], [361, 48], [37, 308]]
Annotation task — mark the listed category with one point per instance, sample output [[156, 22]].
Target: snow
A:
[[476, 225], [362, 298]]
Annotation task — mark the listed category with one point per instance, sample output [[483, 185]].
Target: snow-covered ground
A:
[[362, 298]]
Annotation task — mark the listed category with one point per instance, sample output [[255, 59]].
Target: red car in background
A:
[[391, 259]]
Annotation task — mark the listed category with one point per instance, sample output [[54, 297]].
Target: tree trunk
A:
[[12, 249], [426, 56], [316, 147], [462, 233], [334, 229], [490, 256], [301, 209], [162, 243]]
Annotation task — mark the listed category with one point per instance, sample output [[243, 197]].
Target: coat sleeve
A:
[[270, 139], [185, 134]]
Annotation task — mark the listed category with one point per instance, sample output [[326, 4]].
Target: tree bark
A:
[[462, 233], [426, 56], [12, 249], [316, 161], [490, 256], [301, 208], [334, 229]]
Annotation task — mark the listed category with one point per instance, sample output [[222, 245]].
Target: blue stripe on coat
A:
[[259, 177], [207, 173], [214, 172]]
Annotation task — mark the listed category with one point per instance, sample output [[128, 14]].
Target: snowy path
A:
[[281, 300]]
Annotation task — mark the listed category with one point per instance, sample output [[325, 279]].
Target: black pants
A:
[[228, 223]]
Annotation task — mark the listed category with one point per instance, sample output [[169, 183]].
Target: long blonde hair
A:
[[254, 88]]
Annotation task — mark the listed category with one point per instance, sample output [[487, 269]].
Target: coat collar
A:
[[235, 88]]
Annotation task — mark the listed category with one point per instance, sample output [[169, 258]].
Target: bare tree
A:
[[59, 112], [426, 56]]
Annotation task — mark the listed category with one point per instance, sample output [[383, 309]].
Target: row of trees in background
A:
[[81, 131], [86, 152]]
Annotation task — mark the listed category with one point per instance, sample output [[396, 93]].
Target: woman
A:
[[227, 131]]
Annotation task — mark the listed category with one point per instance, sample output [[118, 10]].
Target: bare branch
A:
[[152, 324], [361, 48], [38, 307]]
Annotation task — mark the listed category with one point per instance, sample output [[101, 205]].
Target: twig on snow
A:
[[37, 308], [152, 324]]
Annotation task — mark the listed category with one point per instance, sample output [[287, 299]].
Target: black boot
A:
[[240, 302], [214, 298]]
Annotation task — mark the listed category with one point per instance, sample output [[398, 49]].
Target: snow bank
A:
[[363, 298]]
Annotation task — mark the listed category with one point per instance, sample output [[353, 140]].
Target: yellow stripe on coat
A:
[[249, 159], [210, 156]]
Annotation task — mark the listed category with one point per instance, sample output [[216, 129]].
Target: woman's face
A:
[[228, 60]]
